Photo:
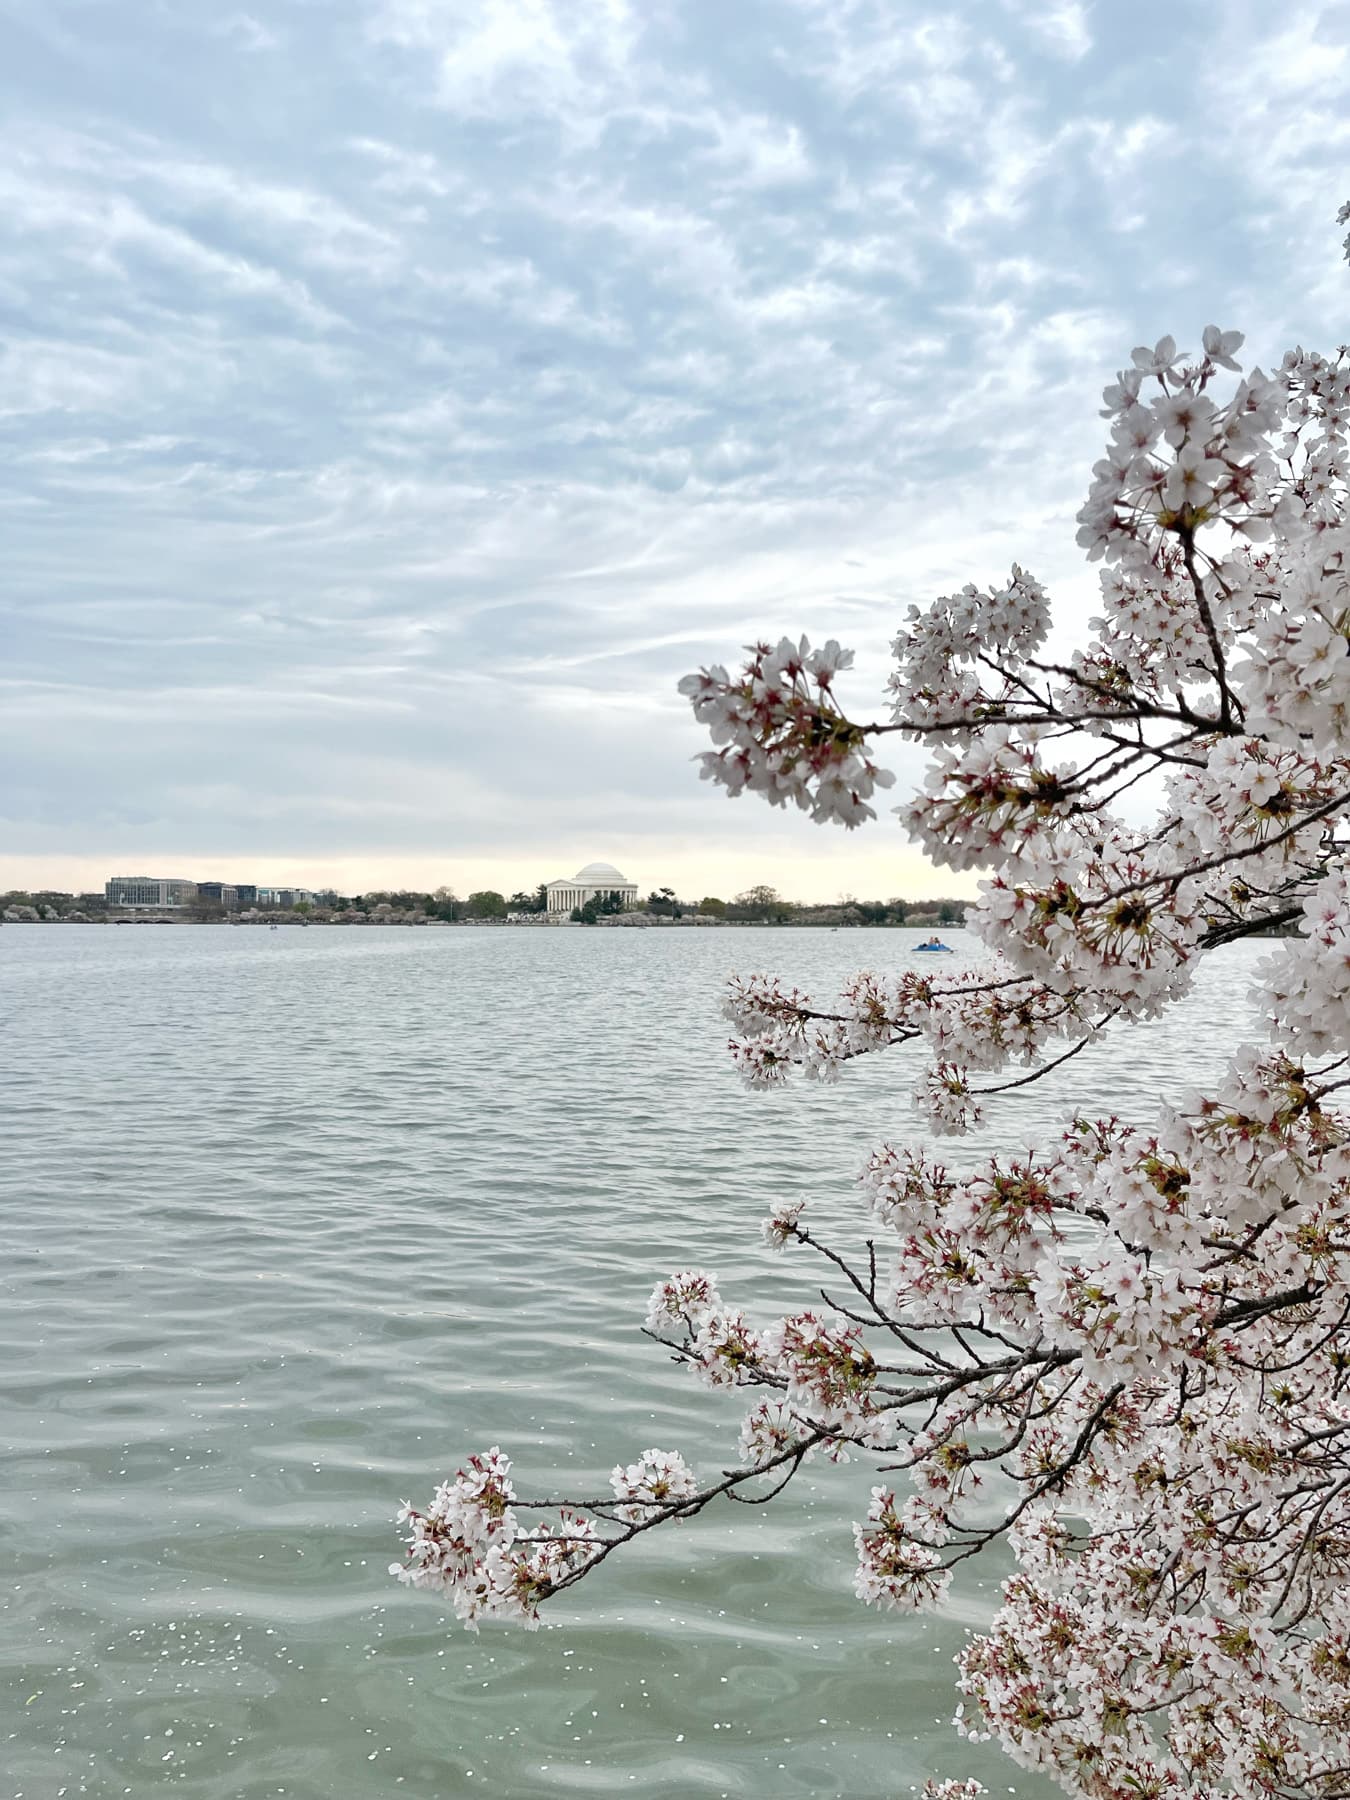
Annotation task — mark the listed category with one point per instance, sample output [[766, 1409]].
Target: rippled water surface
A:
[[293, 1220]]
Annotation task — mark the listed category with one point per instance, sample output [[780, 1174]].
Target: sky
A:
[[398, 396]]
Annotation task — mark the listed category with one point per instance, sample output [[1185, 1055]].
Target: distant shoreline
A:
[[619, 922]]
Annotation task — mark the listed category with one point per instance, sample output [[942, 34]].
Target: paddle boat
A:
[[935, 947]]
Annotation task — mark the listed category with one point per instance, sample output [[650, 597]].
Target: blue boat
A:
[[935, 949]]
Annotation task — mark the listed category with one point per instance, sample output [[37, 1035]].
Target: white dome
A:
[[594, 872]]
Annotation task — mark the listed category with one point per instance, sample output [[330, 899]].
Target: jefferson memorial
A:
[[593, 882]]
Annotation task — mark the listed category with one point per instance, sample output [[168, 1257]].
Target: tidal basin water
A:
[[294, 1220]]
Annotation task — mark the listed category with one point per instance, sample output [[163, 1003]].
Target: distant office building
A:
[[595, 882], [151, 892], [246, 893], [285, 896], [224, 893]]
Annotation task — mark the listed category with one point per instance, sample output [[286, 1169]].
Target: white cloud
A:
[[511, 57], [247, 32], [1062, 26]]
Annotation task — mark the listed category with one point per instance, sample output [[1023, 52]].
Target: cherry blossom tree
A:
[[1126, 1354]]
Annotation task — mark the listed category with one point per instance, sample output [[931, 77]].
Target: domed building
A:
[[595, 882]]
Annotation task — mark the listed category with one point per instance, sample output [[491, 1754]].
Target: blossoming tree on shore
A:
[[1136, 1338]]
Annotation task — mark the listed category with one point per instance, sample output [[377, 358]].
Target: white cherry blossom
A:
[[657, 1482]]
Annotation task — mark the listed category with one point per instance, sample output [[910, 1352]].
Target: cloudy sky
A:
[[397, 396]]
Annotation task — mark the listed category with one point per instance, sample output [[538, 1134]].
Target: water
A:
[[293, 1221]]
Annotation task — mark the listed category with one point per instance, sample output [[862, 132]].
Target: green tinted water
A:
[[293, 1221]]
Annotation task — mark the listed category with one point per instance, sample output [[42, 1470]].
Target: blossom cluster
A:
[[780, 732], [978, 1019], [655, 1484], [470, 1546], [894, 1568], [822, 1371]]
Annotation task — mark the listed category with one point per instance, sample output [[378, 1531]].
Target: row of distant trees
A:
[[444, 903], [757, 905], [765, 905]]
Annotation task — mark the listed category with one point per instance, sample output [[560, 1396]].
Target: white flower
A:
[[1190, 481], [1161, 359], [768, 1431], [686, 1300], [782, 1222], [1220, 345], [656, 1483]]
